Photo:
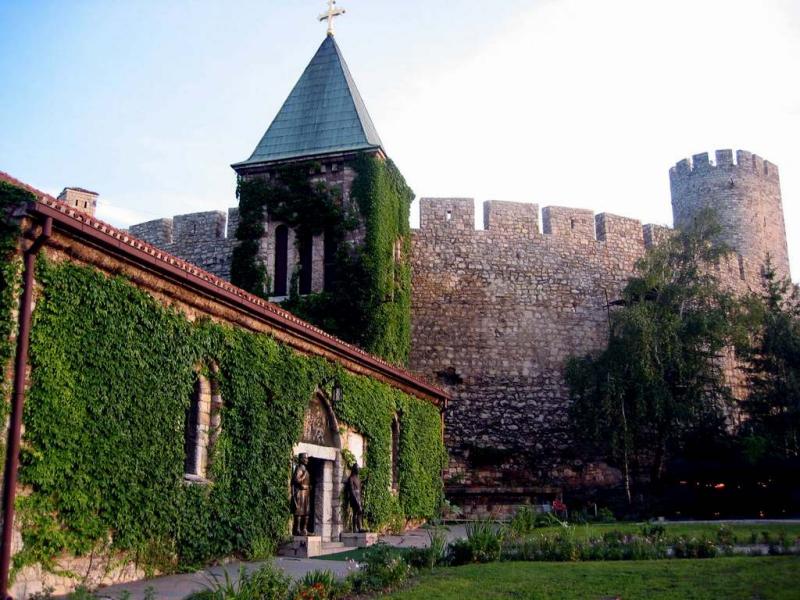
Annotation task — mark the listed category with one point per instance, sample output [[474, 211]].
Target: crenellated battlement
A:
[[572, 222], [188, 228], [513, 217], [745, 195], [747, 164], [449, 213], [205, 238], [518, 221]]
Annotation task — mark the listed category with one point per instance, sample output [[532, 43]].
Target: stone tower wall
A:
[[746, 196]]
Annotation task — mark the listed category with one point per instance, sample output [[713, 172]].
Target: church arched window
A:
[[202, 426], [281, 258]]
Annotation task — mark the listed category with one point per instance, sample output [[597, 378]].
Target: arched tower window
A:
[[395, 453], [306, 249], [281, 257]]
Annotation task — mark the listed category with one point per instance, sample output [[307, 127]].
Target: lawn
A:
[[767, 578], [742, 532]]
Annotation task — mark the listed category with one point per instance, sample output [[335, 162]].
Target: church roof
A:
[[323, 114]]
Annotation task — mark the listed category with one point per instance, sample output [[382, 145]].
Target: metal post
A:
[[17, 403]]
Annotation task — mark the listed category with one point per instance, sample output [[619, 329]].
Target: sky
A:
[[576, 103]]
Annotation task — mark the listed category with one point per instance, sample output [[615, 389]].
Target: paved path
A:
[[177, 587], [418, 538]]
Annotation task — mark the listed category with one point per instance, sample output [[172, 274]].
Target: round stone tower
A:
[[746, 196]]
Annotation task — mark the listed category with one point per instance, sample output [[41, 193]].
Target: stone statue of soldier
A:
[[301, 495], [353, 487]]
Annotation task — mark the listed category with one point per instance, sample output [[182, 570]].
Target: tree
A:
[[660, 376], [773, 357]]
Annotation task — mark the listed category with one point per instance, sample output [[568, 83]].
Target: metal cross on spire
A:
[[331, 14]]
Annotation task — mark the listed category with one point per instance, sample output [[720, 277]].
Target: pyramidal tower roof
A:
[[324, 114]]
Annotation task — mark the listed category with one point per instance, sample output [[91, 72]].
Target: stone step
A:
[[309, 546], [332, 545]]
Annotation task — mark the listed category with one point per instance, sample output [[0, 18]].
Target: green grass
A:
[[768, 578], [742, 532]]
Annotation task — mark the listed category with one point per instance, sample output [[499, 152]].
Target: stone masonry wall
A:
[[205, 239], [495, 315]]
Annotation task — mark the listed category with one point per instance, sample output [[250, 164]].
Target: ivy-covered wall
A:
[[112, 376], [368, 302]]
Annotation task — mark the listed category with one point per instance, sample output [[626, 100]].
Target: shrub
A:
[[460, 552], [524, 521], [437, 546], [725, 535], [693, 547], [653, 531], [383, 568], [604, 515], [485, 538], [564, 546], [318, 585], [434, 554], [556, 547], [267, 583]]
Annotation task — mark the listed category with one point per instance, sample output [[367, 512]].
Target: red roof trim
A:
[[16, 182]]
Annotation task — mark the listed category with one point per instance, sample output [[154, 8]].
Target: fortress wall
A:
[[495, 315], [157, 232], [512, 217], [199, 238], [655, 234], [233, 222]]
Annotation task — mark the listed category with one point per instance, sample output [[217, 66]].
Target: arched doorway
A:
[[322, 443]]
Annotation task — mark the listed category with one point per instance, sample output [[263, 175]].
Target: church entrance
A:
[[321, 443]]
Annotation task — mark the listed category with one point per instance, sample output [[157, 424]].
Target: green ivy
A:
[[369, 303], [112, 375]]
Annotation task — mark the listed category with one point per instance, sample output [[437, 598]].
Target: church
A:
[[165, 381]]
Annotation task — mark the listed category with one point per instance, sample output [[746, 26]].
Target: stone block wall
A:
[[495, 315], [205, 239], [496, 312]]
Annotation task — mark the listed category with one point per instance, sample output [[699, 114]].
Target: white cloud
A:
[[587, 104]]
